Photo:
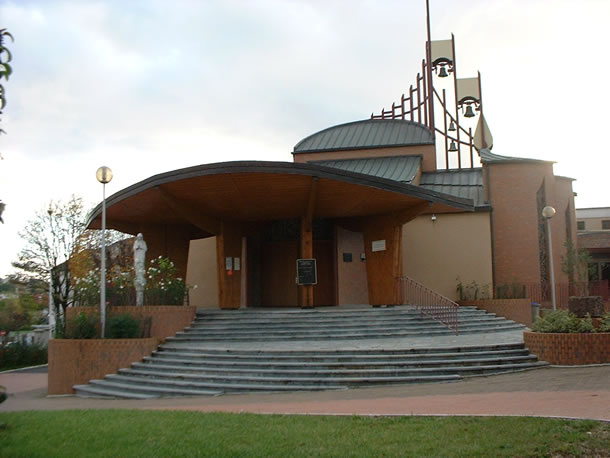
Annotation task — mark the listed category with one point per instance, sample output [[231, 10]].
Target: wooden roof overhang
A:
[[255, 191]]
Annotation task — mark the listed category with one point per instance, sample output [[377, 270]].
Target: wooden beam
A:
[[397, 218], [306, 291], [189, 213]]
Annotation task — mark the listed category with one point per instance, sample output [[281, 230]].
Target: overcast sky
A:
[[147, 86]]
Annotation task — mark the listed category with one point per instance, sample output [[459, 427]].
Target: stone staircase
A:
[[273, 350]]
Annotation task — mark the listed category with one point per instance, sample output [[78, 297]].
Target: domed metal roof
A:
[[369, 133]]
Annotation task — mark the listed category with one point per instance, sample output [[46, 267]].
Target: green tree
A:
[[53, 240], [50, 240], [575, 263]]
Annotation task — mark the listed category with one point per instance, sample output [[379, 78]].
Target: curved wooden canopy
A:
[[253, 191]]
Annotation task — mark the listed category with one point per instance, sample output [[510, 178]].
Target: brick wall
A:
[[512, 189], [569, 349], [519, 310], [166, 319], [75, 361]]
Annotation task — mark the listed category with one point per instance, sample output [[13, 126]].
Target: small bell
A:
[[452, 126], [469, 113], [452, 147], [442, 73]]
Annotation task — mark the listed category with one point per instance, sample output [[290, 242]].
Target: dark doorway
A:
[[272, 256]]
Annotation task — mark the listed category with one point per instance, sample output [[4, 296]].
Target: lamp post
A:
[[51, 317], [103, 175], [548, 212]]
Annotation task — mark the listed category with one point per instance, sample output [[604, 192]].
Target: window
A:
[[580, 225], [606, 224]]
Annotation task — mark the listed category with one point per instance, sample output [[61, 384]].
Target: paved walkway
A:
[[574, 392]]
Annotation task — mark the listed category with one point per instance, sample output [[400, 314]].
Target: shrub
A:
[[122, 326], [563, 321], [604, 325], [163, 286], [22, 355], [82, 326]]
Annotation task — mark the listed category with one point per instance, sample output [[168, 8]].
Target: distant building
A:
[[594, 236]]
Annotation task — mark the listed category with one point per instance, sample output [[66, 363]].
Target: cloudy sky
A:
[[147, 86]]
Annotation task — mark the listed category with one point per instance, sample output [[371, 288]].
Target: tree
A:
[[56, 241], [575, 264], [50, 240], [5, 72]]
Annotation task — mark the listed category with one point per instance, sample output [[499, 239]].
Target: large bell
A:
[[442, 73], [452, 147], [452, 126], [469, 113]]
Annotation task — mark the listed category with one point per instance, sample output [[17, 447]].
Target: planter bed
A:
[[76, 361], [569, 349]]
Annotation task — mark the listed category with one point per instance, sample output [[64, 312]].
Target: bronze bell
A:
[[452, 126], [452, 147], [469, 113], [442, 73]]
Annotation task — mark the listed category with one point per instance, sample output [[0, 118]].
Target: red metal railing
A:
[[429, 302]]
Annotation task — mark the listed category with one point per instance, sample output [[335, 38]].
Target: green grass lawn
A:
[[128, 433]]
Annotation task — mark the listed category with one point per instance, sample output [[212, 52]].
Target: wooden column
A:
[[228, 245], [306, 298], [306, 291]]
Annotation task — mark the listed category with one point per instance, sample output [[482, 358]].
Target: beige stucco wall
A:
[[201, 271], [435, 253]]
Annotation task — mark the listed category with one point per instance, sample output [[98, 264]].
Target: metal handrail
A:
[[429, 302]]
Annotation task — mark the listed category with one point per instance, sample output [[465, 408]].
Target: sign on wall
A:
[[307, 272], [378, 245]]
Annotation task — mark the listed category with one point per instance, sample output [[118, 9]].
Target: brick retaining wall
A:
[[519, 310], [569, 349], [76, 361], [166, 319]]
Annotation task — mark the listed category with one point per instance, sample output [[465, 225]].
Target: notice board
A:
[[307, 272]]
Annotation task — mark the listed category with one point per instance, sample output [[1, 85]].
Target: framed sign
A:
[[378, 245], [307, 272]]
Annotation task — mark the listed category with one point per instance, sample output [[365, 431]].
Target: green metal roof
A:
[[487, 157], [466, 183], [398, 168], [369, 133]]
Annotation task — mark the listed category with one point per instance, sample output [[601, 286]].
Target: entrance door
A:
[[272, 259]]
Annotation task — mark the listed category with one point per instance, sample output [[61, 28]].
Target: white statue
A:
[[139, 260]]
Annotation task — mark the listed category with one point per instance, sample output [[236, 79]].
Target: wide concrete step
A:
[[291, 326], [267, 383], [291, 366], [299, 357], [99, 391], [225, 384], [294, 371], [338, 335], [156, 390], [471, 350]]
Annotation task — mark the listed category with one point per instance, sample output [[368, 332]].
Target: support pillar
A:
[[306, 298], [306, 291]]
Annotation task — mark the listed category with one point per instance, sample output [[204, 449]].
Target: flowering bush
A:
[[87, 288], [163, 286]]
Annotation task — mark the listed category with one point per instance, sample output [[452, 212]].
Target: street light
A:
[[103, 175], [51, 317], [548, 212]]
